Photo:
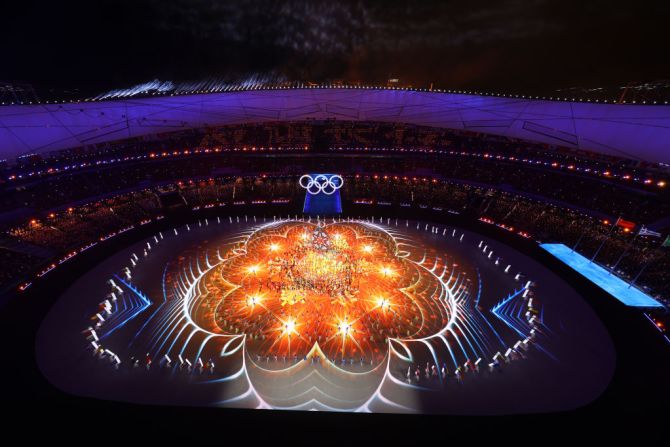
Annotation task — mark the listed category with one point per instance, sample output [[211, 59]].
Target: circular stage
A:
[[378, 315]]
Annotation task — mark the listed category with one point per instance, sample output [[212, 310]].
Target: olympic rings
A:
[[321, 183]]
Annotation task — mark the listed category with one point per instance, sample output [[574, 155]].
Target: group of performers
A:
[[317, 267], [328, 286]]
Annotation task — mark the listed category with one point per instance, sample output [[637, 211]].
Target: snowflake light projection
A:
[[342, 287], [298, 314]]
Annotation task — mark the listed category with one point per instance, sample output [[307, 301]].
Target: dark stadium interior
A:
[[506, 46], [348, 221]]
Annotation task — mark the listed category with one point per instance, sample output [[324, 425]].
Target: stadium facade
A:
[[637, 132]]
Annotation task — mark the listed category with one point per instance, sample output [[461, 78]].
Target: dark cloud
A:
[[513, 45]]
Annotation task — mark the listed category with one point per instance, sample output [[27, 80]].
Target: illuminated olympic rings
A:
[[321, 183]]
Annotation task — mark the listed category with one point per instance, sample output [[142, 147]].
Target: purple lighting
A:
[[628, 131]]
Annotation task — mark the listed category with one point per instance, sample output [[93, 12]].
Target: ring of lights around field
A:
[[337, 315]]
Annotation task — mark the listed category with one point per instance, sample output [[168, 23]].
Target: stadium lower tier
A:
[[373, 315]]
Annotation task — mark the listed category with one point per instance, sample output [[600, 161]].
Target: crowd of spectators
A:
[[16, 266], [589, 193], [551, 193], [550, 173], [543, 221], [76, 226], [240, 189]]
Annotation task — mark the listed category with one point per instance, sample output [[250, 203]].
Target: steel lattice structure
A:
[[630, 131]]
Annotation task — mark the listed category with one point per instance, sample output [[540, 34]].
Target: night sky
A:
[[516, 46]]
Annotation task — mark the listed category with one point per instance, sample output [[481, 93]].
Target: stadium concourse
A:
[[454, 276]]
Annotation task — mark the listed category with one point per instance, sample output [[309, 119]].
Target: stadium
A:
[[178, 255]]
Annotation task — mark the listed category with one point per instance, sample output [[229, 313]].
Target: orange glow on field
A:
[[383, 303], [289, 327], [386, 271], [300, 284], [253, 269], [253, 300]]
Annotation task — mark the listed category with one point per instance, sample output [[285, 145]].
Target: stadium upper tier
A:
[[635, 132]]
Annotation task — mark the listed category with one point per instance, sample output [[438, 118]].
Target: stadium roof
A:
[[629, 131]]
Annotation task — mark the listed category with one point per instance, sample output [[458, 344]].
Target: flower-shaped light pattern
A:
[[343, 286]]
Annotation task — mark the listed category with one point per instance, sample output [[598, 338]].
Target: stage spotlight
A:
[[386, 271], [253, 300], [383, 303], [289, 327], [253, 269]]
